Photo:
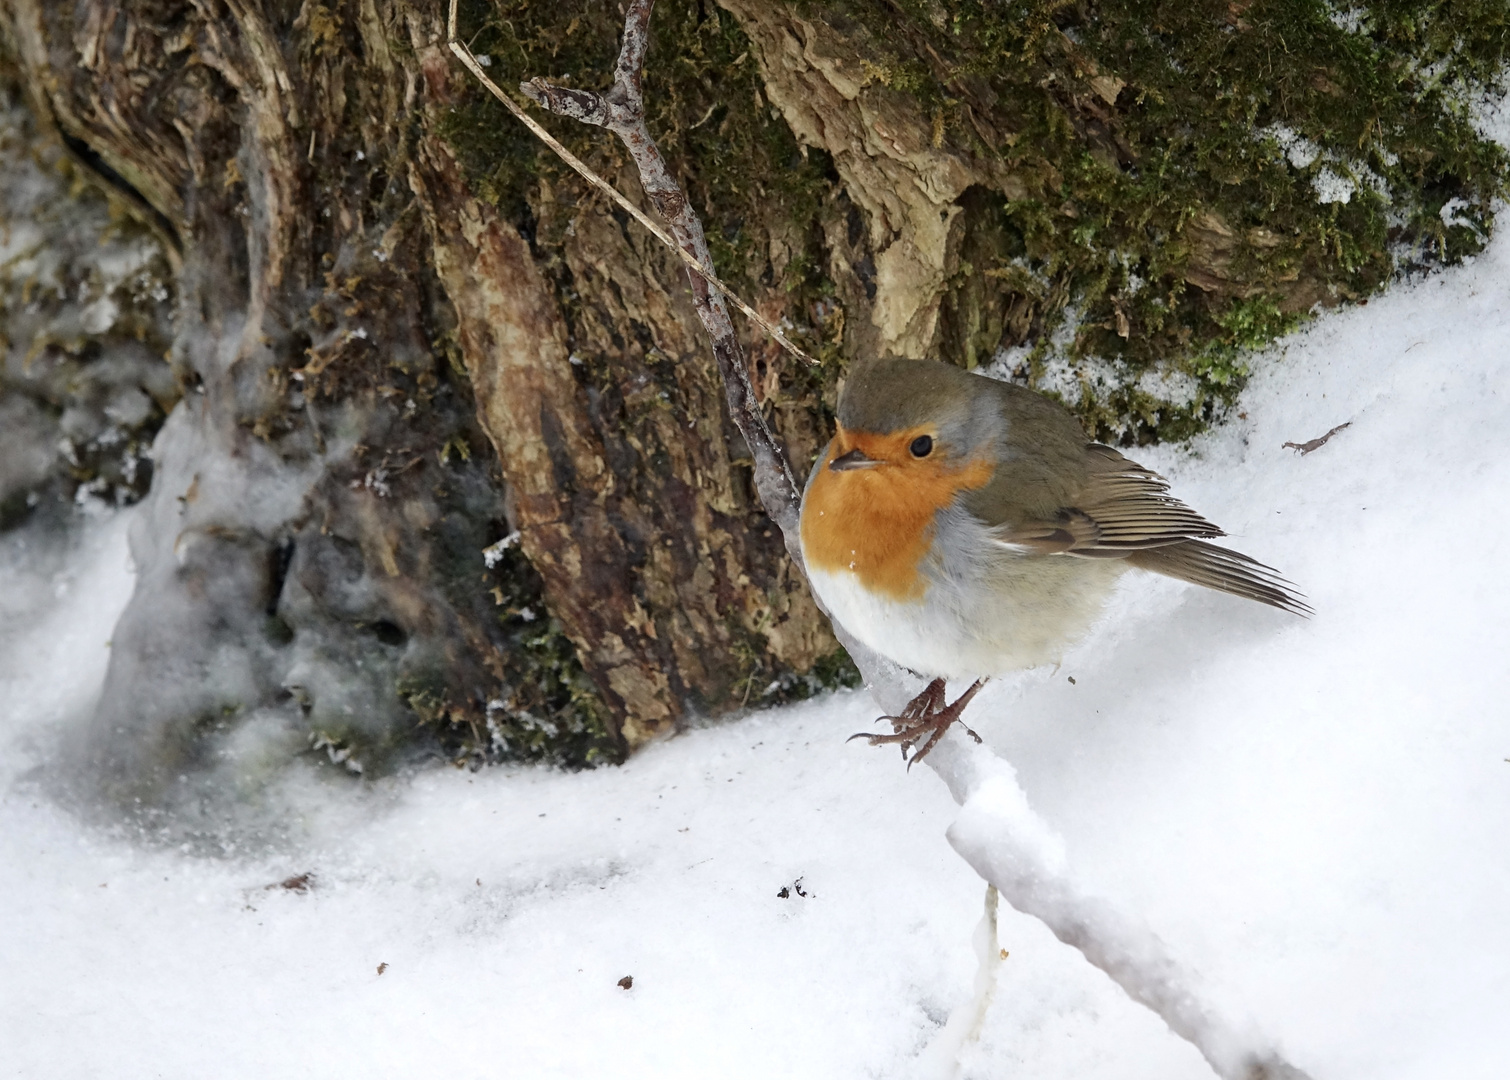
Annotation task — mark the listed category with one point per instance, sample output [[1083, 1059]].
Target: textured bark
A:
[[717, 580], [404, 334], [310, 553], [309, 557], [656, 559], [514, 340], [882, 145]]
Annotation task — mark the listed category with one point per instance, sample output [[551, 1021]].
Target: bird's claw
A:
[[925, 719]]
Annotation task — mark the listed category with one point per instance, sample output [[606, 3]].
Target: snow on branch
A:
[[997, 833]]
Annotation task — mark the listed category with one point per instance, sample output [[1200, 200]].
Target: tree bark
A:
[[310, 557], [406, 336]]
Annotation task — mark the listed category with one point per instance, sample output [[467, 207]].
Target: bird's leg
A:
[[940, 721], [925, 719], [930, 701]]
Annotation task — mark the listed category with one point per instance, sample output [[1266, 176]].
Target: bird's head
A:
[[919, 416], [912, 436]]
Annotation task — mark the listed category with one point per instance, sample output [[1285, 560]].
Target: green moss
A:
[[1130, 120], [738, 162], [548, 709], [764, 687], [835, 671]]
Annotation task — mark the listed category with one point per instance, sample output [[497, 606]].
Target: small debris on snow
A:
[[299, 883], [627, 982], [795, 887], [1311, 444]]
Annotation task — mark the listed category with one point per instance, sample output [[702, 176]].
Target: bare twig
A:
[[621, 111], [997, 833], [1316, 443], [594, 109]]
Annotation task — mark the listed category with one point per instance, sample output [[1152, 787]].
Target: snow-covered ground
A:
[[1314, 816]]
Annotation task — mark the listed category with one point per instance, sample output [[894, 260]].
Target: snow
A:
[[1332, 186], [1310, 815]]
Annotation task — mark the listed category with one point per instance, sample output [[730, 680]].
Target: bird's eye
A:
[[922, 446]]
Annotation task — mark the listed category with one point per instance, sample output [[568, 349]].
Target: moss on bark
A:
[[1112, 201], [1198, 177]]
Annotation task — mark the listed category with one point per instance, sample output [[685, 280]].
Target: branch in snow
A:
[[1316, 443], [997, 833]]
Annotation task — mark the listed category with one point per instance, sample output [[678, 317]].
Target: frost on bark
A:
[[84, 323]]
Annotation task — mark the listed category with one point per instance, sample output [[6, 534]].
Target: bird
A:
[[965, 527]]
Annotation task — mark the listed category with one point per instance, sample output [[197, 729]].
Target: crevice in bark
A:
[[86, 156]]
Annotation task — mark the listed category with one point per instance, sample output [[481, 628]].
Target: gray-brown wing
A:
[[1119, 507], [1223, 570], [1124, 511]]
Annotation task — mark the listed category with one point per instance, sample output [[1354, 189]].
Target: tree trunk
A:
[[357, 333], [406, 335]]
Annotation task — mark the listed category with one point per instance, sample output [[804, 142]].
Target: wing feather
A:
[[1223, 570], [1120, 507], [1124, 511]]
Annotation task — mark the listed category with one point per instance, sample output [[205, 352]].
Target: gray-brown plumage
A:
[[1055, 492], [965, 527]]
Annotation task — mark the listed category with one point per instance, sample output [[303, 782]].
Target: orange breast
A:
[[877, 523]]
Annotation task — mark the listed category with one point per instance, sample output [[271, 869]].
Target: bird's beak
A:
[[855, 459]]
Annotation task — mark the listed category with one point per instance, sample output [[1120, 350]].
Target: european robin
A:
[[964, 527]]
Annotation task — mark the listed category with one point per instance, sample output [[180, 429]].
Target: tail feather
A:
[[1226, 571]]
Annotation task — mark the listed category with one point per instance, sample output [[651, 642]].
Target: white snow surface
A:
[[1312, 815]]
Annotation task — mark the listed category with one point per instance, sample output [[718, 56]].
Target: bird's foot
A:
[[925, 719]]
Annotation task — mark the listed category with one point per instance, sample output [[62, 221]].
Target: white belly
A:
[[994, 611]]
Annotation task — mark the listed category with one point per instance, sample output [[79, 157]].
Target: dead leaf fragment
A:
[[299, 883], [1107, 87], [1317, 443]]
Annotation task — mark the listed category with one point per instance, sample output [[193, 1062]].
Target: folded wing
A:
[[1124, 511]]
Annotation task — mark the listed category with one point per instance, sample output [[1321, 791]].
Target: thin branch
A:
[[594, 110], [622, 112]]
